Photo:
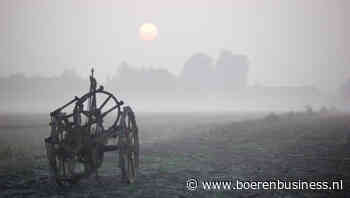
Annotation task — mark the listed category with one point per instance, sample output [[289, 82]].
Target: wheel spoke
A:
[[104, 102], [111, 109]]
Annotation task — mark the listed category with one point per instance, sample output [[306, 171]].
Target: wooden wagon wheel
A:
[[94, 107], [129, 145], [71, 158], [62, 163]]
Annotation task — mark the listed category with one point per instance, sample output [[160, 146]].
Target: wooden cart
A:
[[97, 123]]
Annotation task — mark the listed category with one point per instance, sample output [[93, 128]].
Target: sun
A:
[[148, 32]]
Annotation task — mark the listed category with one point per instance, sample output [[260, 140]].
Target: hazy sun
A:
[[148, 31]]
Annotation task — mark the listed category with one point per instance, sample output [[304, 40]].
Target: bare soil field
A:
[[179, 146]]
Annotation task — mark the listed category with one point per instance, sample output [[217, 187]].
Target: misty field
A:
[[179, 146]]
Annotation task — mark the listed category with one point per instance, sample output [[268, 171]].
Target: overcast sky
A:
[[288, 42]]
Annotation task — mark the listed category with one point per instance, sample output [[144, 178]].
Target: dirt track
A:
[[175, 148]]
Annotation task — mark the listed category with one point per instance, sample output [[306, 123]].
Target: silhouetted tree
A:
[[345, 91], [231, 71], [133, 80], [19, 90], [197, 73], [309, 110]]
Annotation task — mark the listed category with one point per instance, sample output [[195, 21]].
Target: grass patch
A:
[[15, 160], [131, 188]]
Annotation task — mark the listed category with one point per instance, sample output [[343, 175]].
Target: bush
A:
[[272, 117]]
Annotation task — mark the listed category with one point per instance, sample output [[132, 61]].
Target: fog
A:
[[204, 85], [209, 55]]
